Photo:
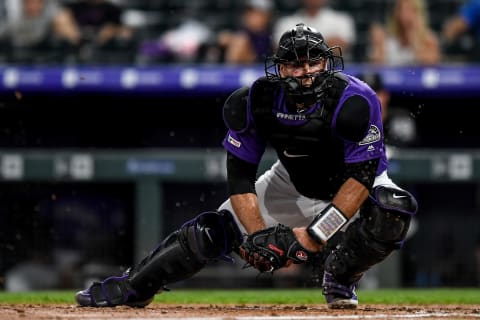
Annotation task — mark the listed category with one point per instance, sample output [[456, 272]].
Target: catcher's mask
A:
[[297, 46]]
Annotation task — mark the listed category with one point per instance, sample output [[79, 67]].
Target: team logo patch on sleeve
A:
[[234, 142], [372, 136]]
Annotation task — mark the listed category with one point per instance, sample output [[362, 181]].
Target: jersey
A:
[[311, 147], [470, 11]]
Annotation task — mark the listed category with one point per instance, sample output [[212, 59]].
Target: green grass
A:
[[280, 296]]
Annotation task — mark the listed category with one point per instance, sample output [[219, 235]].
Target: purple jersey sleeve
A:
[[372, 145], [247, 145]]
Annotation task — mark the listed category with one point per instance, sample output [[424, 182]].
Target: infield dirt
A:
[[230, 312]]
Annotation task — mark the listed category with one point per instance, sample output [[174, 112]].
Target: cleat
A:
[[111, 292], [338, 296]]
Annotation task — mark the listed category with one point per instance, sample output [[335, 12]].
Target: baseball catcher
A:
[[326, 129]]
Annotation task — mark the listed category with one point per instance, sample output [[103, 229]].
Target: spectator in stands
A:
[[9, 12], [338, 28], [99, 25], [186, 41], [407, 38], [466, 21], [6, 16], [41, 28], [252, 42]]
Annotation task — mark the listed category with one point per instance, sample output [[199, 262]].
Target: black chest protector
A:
[[312, 155]]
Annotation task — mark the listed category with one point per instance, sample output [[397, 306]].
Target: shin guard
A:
[[381, 228], [209, 236]]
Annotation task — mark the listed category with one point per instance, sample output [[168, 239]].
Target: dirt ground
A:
[[230, 312]]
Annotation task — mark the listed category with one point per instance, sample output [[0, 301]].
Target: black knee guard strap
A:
[[209, 236]]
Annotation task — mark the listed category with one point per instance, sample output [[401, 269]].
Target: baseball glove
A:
[[273, 248]]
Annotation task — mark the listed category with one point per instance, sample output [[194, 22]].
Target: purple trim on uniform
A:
[[247, 145], [87, 293], [358, 151], [333, 290], [105, 293], [357, 87], [382, 166]]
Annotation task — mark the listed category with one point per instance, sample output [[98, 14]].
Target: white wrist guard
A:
[[326, 224]]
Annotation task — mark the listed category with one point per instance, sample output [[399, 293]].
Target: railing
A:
[[442, 80]]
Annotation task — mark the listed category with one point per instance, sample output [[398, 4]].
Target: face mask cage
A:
[[333, 55], [297, 92]]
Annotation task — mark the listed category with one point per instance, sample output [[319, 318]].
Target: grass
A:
[[267, 296]]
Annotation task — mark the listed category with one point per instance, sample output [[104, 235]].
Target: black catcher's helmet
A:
[[299, 45]]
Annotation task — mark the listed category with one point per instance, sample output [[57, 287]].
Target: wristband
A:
[[326, 223]]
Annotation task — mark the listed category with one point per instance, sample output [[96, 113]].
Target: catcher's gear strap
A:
[[356, 253], [364, 172], [209, 236], [262, 98], [334, 87], [327, 223], [261, 103], [171, 261], [394, 199], [235, 110], [353, 118], [110, 292], [241, 175]]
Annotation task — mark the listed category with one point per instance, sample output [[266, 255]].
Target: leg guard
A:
[[380, 229], [209, 236]]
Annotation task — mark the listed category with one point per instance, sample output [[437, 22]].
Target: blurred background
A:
[[111, 128]]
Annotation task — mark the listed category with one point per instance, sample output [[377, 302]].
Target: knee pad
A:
[[212, 235], [387, 214], [381, 228]]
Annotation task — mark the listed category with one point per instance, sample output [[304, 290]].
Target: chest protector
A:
[[308, 151]]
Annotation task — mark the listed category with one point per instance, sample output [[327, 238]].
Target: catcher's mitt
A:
[[273, 248]]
